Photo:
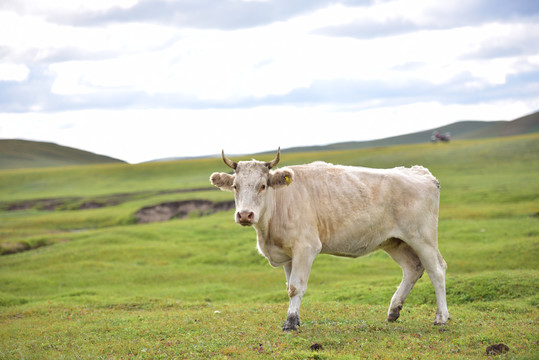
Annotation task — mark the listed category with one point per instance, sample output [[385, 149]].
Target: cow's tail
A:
[[420, 170]]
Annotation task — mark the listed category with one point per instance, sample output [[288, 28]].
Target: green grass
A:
[[197, 288], [18, 154]]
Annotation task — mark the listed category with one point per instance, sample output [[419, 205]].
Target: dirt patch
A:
[[8, 248], [497, 349], [40, 204], [181, 210], [13, 248], [79, 203], [96, 204]]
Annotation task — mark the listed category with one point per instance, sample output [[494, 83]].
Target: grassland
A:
[[19, 154], [108, 288]]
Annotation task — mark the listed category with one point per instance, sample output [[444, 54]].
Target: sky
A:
[[147, 79]]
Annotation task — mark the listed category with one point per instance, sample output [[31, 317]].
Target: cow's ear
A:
[[282, 177], [223, 181]]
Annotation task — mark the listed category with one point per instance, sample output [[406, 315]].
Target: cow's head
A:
[[251, 183]]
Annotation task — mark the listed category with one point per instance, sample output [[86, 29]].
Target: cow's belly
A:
[[354, 241], [359, 233]]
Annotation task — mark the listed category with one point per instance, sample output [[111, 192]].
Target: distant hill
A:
[[460, 130], [524, 125], [19, 154]]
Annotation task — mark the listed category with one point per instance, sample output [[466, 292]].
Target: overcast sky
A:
[[146, 79]]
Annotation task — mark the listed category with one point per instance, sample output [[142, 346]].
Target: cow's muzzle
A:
[[245, 218]]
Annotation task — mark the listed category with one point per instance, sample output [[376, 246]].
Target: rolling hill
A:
[[462, 130], [19, 154], [465, 130]]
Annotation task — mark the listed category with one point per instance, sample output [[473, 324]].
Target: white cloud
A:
[[31, 33], [13, 72], [257, 62], [49, 6]]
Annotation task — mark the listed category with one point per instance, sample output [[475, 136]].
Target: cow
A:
[[301, 211]]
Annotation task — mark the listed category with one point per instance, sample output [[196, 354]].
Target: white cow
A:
[[301, 211]]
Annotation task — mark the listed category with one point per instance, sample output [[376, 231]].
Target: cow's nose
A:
[[245, 217]]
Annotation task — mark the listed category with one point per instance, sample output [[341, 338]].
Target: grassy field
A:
[[19, 154], [108, 288]]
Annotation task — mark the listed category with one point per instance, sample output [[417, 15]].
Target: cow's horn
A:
[[229, 162], [275, 161]]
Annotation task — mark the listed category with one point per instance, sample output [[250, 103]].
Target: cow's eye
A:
[[262, 187], [236, 187]]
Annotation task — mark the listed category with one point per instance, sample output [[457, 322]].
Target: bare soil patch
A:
[[181, 210], [497, 349], [8, 248], [79, 203], [41, 204]]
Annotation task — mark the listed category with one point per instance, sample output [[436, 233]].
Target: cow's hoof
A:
[[394, 313], [392, 317], [291, 323], [289, 327], [440, 320]]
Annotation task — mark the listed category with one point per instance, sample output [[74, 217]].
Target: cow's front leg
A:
[[297, 273]]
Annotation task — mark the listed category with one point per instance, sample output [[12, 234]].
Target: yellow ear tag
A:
[[288, 180]]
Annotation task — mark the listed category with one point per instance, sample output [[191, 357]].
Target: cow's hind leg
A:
[[436, 266], [412, 270]]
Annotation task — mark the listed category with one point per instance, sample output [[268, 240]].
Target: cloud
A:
[[524, 41], [201, 14], [481, 11], [29, 95], [370, 28], [36, 7], [391, 20], [245, 54], [462, 89], [13, 72]]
